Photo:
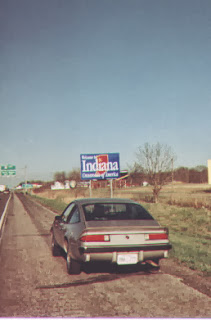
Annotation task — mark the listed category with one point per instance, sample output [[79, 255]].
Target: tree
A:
[[136, 174], [60, 176], [199, 174], [181, 174], [156, 162], [75, 175]]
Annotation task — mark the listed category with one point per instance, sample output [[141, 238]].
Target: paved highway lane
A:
[[3, 201], [35, 284]]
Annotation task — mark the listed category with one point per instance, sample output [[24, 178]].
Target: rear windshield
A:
[[115, 211]]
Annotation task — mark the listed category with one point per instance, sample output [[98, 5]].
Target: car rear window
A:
[[115, 211]]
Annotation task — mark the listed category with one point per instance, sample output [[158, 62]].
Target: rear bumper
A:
[[110, 254], [125, 249]]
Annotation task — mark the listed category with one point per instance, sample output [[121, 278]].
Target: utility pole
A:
[[25, 168], [209, 171], [172, 170]]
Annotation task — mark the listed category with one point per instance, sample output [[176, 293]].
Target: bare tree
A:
[[60, 176], [136, 174], [156, 161], [75, 174]]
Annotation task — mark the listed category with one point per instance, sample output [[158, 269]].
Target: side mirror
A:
[[58, 218]]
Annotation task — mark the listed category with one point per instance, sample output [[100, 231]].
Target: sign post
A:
[[98, 166], [90, 188], [111, 187]]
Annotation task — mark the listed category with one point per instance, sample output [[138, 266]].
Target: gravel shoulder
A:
[[192, 278]]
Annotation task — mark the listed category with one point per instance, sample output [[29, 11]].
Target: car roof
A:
[[102, 200]]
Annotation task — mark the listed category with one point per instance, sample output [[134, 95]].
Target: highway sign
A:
[[100, 166], [9, 170], [27, 186]]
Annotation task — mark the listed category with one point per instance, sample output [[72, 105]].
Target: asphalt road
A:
[[35, 284], [3, 201]]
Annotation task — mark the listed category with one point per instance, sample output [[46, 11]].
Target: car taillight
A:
[[95, 238], [158, 236]]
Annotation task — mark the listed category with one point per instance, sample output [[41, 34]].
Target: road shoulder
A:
[[192, 278]]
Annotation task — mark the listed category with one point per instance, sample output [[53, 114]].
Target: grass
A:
[[56, 205], [184, 195], [194, 251], [190, 231]]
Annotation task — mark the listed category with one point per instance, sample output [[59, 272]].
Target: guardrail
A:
[[2, 220]]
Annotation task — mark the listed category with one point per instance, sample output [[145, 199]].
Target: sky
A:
[[103, 76]]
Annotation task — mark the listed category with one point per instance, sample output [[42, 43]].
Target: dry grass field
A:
[[185, 195]]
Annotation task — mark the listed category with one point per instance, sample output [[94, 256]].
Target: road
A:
[[3, 200], [35, 284]]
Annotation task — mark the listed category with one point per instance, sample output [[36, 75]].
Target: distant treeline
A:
[[198, 174]]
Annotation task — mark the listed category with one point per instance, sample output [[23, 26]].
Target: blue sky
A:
[[97, 76]]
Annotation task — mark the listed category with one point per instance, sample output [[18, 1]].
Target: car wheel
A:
[[56, 251], [73, 266]]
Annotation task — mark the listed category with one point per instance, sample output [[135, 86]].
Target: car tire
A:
[[56, 250], [73, 266]]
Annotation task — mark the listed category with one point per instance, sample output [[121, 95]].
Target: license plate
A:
[[130, 258]]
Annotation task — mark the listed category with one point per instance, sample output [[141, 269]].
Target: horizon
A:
[[15, 181]]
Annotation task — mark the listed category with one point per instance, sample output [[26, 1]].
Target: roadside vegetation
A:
[[56, 205], [189, 233]]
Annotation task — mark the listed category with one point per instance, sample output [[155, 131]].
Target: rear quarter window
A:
[[139, 213]]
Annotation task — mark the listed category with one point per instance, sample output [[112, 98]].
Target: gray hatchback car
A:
[[119, 231]]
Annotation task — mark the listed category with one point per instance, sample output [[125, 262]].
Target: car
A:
[[118, 231]]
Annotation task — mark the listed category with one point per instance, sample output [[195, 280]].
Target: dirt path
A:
[[35, 284]]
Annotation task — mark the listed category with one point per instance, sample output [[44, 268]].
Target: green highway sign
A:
[[9, 170], [8, 173], [27, 186], [8, 167]]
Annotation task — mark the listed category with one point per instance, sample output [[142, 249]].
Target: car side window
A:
[[67, 212], [74, 216]]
